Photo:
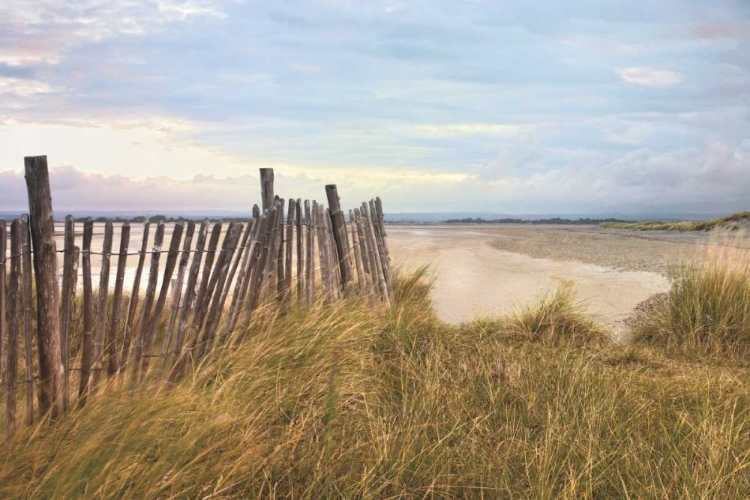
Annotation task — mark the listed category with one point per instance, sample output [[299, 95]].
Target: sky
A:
[[540, 106]]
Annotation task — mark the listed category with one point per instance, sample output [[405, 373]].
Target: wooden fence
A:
[[207, 283]]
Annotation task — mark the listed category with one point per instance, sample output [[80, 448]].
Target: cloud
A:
[[22, 87], [466, 129], [41, 32], [74, 190], [649, 77], [488, 105], [712, 178]]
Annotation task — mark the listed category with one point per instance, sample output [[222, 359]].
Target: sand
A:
[[491, 270], [472, 277]]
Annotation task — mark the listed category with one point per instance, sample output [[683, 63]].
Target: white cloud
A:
[[649, 77], [17, 87], [466, 129], [18, 56]]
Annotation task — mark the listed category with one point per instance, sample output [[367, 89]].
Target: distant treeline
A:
[[554, 220]]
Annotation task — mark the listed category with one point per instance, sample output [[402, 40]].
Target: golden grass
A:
[[346, 401], [707, 311]]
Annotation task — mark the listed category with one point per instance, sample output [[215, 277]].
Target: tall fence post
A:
[[45, 266], [67, 300], [14, 324], [3, 324], [266, 187], [27, 297], [88, 311], [340, 236]]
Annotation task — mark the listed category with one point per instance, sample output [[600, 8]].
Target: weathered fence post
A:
[[333, 257], [127, 334], [204, 295], [381, 221], [380, 241], [148, 302], [266, 188], [88, 315], [271, 267], [280, 253], [377, 261], [368, 262], [357, 254], [76, 265], [362, 241], [243, 279], [310, 254], [176, 298], [319, 225], [288, 249], [269, 219], [231, 239], [180, 353], [300, 256], [14, 315], [339, 235], [236, 261], [114, 320], [67, 300], [45, 265], [101, 314], [153, 322], [3, 324], [27, 327]]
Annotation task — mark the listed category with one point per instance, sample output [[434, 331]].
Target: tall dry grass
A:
[[707, 310], [345, 401]]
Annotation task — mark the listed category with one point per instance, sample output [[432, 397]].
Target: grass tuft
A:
[[556, 319], [707, 310]]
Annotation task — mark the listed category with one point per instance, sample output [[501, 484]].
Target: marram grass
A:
[[707, 310], [346, 402]]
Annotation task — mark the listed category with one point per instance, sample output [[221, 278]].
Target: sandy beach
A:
[[493, 269], [489, 270]]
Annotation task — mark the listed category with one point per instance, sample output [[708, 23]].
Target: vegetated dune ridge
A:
[[348, 401], [734, 222]]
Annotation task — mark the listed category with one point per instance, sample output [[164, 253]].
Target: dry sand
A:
[[492, 269], [473, 277]]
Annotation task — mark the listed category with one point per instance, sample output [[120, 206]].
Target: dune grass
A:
[[732, 222], [348, 402], [707, 310]]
